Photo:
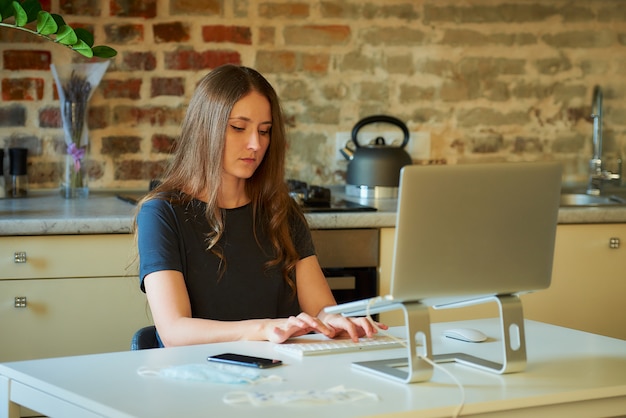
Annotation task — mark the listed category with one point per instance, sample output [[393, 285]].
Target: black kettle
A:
[[377, 164]]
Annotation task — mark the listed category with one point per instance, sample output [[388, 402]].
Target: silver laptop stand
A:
[[414, 368]]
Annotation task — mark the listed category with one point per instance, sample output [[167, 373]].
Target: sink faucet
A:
[[598, 175]]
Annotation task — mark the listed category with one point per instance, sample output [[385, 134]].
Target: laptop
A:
[[466, 232]]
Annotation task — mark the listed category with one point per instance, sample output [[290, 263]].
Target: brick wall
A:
[[488, 80]]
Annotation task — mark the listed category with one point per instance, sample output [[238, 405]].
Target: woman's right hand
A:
[[280, 330]]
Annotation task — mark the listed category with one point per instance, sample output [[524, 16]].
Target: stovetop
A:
[[319, 199], [312, 199]]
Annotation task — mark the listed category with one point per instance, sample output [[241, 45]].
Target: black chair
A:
[[144, 338]]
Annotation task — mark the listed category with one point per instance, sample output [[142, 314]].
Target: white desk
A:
[[569, 373]]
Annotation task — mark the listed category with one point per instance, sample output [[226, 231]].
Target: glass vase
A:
[[75, 83]]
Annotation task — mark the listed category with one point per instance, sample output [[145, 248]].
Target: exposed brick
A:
[[191, 60], [117, 145], [525, 90], [614, 12], [98, 117], [138, 170], [400, 64], [267, 36], [487, 144], [12, 116], [171, 32], [124, 89], [28, 89], [31, 142], [152, 116], [285, 10], [580, 39], [576, 13], [44, 173], [80, 7], [50, 117], [133, 8], [357, 61], [410, 94], [294, 90], [570, 144], [124, 34], [18, 36], [320, 114], [317, 35], [223, 33], [523, 145], [163, 144], [138, 61], [553, 65], [516, 12], [373, 91], [165, 86], [393, 36], [195, 7], [443, 68], [491, 117], [26, 60], [458, 90], [486, 68], [399, 11], [339, 9], [315, 63], [474, 38], [276, 61]]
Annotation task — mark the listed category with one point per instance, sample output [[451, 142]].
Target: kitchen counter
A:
[[47, 213]]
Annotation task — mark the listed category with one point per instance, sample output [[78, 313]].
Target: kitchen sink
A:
[[582, 199]]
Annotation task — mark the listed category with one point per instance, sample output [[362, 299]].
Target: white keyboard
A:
[[310, 348]]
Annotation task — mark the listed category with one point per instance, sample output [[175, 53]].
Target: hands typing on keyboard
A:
[[315, 347]]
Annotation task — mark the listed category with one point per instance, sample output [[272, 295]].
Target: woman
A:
[[225, 253]]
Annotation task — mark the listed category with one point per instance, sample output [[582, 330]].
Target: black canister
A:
[[2, 184], [17, 172]]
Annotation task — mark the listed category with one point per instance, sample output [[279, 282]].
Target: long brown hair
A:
[[196, 167]]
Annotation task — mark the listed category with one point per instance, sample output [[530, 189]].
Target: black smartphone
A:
[[243, 360]]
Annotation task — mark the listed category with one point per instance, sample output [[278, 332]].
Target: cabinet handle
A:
[[20, 302], [614, 243], [19, 257]]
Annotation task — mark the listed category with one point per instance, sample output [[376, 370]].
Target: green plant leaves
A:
[[103, 51], [21, 18], [31, 8], [52, 27], [46, 24]]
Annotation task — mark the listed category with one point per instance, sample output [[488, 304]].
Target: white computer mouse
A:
[[469, 335]]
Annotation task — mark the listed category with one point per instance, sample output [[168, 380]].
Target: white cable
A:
[[457, 412]]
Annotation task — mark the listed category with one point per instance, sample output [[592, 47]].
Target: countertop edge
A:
[[49, 214]]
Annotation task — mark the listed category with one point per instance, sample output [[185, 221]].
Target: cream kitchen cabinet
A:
[[588, 282], [588, 287], [63, 295]]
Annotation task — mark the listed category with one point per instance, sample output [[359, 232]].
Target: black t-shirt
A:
[[173, 237]]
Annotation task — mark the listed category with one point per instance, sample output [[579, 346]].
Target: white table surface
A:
[[569, 373]]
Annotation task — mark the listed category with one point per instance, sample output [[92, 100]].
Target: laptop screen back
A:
[[466, 231]]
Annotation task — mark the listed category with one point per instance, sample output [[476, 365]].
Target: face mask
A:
[[338, 394], [209, 372]]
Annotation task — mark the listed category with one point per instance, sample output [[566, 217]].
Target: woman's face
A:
[[247, 136]]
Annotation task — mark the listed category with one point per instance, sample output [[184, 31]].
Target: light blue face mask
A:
[[337, 394], [209, 372]]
